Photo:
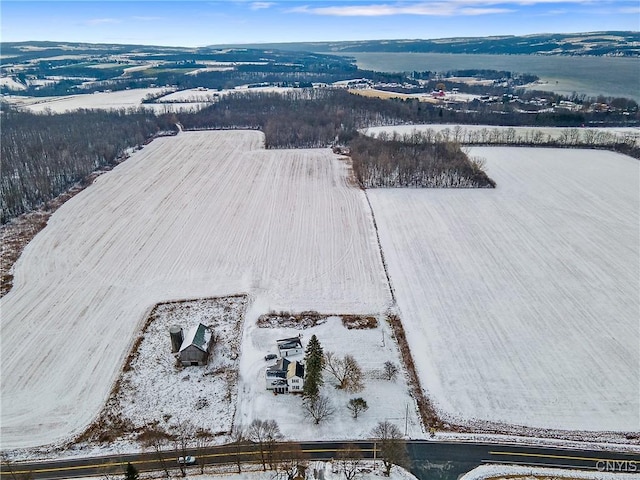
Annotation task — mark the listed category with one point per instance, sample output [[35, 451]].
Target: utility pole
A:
[[406, 420], [375, 450]]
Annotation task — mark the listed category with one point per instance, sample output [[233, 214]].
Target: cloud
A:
[[432, 8], [484, 11], [147, 19], [261, 5], [438, 8], [102, 21], [630, 10]]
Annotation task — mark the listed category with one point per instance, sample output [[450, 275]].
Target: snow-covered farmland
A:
[[521, 303], [198, 215], [123, 99]]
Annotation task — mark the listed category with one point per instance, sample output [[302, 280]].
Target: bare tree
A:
[[265, 433], [203, 440], [346, 371], [389, 370], [318, 408], [357, 405], [393, 450], [239, 441], [156, 440], [185, 433], [8, 466], [291, 460], [350, 461]]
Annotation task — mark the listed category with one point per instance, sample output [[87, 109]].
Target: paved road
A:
[[430, 460]]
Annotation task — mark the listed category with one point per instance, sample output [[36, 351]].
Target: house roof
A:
[[279, 369], [287, 343], [295, 369], [198, 336]]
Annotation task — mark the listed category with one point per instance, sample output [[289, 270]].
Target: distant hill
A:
[[624, 44]]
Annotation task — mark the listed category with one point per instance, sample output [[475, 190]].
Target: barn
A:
[[196, 346]]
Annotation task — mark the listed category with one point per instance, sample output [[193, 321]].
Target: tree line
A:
[[573, 137], [44, 155], [41, 156]]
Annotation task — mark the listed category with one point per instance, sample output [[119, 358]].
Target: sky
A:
[[202, 22]]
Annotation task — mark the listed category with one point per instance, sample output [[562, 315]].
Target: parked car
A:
[[187, 460], [270, 356]]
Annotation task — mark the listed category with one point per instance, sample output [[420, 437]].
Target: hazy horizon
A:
[[200, 23]]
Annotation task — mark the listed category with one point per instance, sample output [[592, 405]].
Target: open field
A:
[[372, 92], [123, 99], [521, 303], [199, 215]]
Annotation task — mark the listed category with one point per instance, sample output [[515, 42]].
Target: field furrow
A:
[[521, 303]]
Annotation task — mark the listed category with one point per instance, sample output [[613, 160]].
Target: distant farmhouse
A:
[[195, 347], [286, 376]]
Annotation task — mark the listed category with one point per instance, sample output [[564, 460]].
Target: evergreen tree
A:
[[131, 473], [314, 363]]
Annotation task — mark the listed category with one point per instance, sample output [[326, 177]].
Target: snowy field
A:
[[207, 96], [123, 99], [521, 303], [387, 399], [198, 215], [210, 390], [514, 472], [474, 133]]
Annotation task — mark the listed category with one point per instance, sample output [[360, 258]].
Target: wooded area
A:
[[415, 160], [43, 155]]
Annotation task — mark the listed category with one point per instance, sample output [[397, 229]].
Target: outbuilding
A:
[[289, 347], [196, 346]]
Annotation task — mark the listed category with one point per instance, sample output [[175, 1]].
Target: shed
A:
[[290, 346], [196, 346]]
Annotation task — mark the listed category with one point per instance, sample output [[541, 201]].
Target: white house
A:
[[285, 376], [289, 347]]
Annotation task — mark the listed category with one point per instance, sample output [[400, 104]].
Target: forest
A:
[[44, 155], [415, 160]]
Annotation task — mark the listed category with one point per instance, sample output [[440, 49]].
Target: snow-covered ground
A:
[[198, 215], [368, 470], [477, 133], [155, 390], [181, 101], [387, 400], [122, 99], [520, 303], [191, 95], [514, 472], [12, 84]]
